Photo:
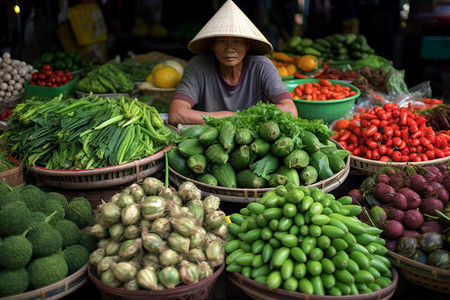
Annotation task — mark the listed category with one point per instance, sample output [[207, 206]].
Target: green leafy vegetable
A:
[[87, 133]]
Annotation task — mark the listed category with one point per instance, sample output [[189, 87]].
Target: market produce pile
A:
[[61, 60], [302, 239], [13, 75], [154, 237], [104, 79], [256, 148], [393, 133], [410, 204], [44, 237], [85, 133]]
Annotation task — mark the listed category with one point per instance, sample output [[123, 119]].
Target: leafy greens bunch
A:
[[90, 132]]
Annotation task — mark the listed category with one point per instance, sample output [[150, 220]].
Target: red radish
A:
[[417, 182], [438, 191], [446, 183], [356, 196], [435, 170], [412, 197], [391, 244], [413, 219], [393, 213], [393, 229], [383, 192], [383, 178], [411, 233], [431, 226], [397, 182], [430, 204], [399, 201]]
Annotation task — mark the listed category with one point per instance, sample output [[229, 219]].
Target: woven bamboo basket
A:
[[13, 177], [100, 178], [198, 291], [243, 195], [423, 275], [56, 290], [370, 167], [260, 291]]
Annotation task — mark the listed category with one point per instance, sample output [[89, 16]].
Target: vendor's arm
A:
[[181, 112], [287, 105]]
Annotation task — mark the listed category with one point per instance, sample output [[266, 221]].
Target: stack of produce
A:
[[165, 75], [393, 133], [154, 237], [7, 162], [256, 148], [104, 79], [47, 77], [44, 237], [302, 239], [85, 133], [61, 60], [438, 116], [411, 206], [13, 74], [137, 70], [334, 47]]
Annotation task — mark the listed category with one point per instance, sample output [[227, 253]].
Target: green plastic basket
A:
[[50, 92], [327, 110]]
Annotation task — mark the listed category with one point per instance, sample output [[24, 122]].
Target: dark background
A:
[[397, 29]]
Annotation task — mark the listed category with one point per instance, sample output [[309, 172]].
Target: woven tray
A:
[[423, 275], [13, 177], [100, 177], [258, 291], [243, 195], [198, 291], [56, 290], [369, 166]]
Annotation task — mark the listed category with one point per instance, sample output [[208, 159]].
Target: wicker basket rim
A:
[[40, 293], [157, 89], [102, 170], [148, 293], [381, 163], [401, 262], [260, 190], [284, 293]]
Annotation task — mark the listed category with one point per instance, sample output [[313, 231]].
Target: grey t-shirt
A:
[[203, 87]]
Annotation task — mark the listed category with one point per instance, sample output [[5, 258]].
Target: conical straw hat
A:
[[229, 20]]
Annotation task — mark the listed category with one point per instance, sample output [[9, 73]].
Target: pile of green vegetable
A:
[[136, 70], [339, 47], [44, 237], [85, 133], [302, 239], [256, 148], [154, 237], [62, 60], [107, 78]]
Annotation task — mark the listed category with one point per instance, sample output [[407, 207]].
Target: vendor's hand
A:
[[180, 112]]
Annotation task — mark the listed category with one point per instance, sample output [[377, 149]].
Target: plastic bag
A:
[[415, 96]]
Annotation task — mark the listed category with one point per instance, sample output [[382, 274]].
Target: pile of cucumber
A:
[[304, 240], [243, 158], [336, 46]]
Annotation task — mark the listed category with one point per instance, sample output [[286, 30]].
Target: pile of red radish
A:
[[393, 133], [406, 201]]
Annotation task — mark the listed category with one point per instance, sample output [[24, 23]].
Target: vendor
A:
[[229, 73]]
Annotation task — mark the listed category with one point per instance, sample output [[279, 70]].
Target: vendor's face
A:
[[230, 51]]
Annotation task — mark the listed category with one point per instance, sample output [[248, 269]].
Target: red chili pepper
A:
[[345, 136], [372, 129], [300, 75]]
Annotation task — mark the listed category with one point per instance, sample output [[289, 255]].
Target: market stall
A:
[[348, 201]]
